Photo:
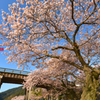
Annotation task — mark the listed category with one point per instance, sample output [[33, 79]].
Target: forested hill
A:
[[7, 95]]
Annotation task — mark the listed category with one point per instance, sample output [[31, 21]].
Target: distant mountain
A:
[[7, 95]]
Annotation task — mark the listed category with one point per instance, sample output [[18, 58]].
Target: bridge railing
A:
[[7, 70]]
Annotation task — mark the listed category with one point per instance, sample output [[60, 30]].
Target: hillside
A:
[[7, 95]]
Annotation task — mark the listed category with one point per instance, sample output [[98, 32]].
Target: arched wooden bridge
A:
[[13, 76]]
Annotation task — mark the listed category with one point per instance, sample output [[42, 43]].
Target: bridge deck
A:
[[7, 70]]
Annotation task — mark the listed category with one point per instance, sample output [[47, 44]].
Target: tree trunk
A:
[[90, 86]]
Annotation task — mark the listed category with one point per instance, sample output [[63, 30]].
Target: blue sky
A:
[[3, 63]]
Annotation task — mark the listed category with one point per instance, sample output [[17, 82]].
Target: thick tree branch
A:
[[95, 5], [69, 73], [57, 31], [84, 22], [90, 37], [68, 62], [48, 86], [75, 77], [73, 12], [78, 55], [62, 47], [77, 28], [90, 23]]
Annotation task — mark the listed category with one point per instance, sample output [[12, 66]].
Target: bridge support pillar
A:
[[26, 94], [1, 76]]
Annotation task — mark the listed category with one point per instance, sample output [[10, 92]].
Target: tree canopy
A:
[[60, 37]]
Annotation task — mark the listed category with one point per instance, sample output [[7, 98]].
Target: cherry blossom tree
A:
[[65, 31], [55, 81], [18, 98]]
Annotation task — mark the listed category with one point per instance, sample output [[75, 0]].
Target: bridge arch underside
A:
[[12, 80]]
